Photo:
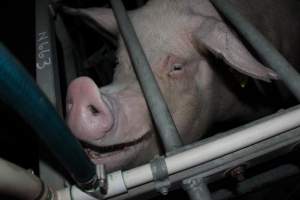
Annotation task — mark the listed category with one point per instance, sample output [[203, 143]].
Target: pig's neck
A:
[[229, 109]]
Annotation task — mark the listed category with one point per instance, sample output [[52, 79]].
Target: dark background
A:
[[18, 143]]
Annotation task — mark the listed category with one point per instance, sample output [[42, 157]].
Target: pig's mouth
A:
[[117, 156], [100, 151]]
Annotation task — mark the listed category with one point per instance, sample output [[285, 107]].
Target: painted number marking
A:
[[43, 49]]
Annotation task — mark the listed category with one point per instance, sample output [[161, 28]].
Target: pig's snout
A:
[[88, 114]]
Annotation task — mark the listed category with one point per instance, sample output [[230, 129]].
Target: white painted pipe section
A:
[[18, 182], [72, 193], [238, 139], [138, 176], [116, 185], [235, 141]]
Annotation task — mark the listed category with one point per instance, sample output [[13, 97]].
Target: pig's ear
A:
[[213, 35], [97, 18]]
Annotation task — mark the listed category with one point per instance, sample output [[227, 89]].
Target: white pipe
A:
[[116, 185], [234, 141], [18, 182], [238, 139], [72, 193]]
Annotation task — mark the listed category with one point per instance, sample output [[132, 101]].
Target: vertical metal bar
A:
[[159, 110], [263, 47], [48, 81], [46, 59], [162, 118], [196, 189], [70, 65]]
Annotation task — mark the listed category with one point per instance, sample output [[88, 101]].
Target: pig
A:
[[182, 40]]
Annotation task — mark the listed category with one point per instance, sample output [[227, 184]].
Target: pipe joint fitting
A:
[[160, 174]]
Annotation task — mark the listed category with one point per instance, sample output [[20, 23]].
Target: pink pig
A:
[[179, 38]]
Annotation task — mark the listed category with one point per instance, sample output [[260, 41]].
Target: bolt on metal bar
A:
[[157, 105], [264, 48]]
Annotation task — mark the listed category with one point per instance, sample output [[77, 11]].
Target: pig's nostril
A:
[[93, 109]]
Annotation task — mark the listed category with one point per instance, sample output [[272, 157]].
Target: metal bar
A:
[[69, 52], [239, 138], [258, 181], [196, 189], [47, 76], [158, 107], [213, 170], [264, 48], [20, 91]]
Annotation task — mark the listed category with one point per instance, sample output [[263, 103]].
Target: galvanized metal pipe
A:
[[196, 188], [158, 107], [261, 180], [47, 72], [264, 48]]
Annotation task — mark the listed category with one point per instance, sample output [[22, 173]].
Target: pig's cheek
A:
[[150, 149]]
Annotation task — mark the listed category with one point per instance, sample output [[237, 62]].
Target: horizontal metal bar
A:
[[239, 138], [158, 107], [212, 170], [261, 180], [264, 48]]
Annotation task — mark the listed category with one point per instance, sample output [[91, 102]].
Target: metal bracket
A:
[[102, 177], [101, 186], [160, 174]]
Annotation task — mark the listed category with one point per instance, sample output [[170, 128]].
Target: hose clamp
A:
[[160, 174]]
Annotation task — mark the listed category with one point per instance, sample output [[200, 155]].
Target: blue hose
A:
[[20, 91]]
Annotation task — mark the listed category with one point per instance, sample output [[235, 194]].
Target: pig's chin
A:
[[117, 156]]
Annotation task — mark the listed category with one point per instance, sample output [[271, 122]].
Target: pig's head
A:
[[114, 122]]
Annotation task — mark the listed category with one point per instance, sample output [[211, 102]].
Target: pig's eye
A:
[[177, 67], [176, 70]]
